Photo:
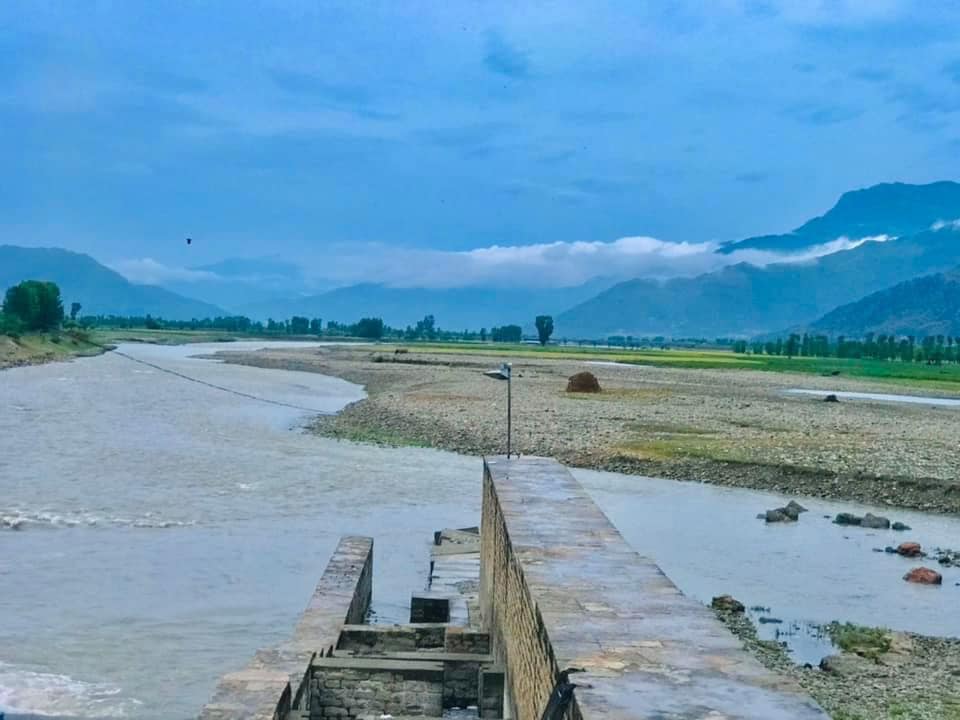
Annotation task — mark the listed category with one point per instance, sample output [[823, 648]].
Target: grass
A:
[[866, 642], [944, 377], [160, 337], [31, 348]]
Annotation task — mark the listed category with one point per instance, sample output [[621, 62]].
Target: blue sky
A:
[[395, 141]]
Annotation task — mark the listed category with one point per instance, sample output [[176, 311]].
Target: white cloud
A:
[[556, 264], [147, 271], [946, 224]]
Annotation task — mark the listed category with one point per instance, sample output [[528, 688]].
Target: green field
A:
[[942, 377]]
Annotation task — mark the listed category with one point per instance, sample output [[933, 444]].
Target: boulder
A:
[[924, 576], [847, 519], [909, 549], [583, 382], [847, 665], [831, 398], [788, 513], [875, 521], [727, 603], [777, 515], [899, 526]]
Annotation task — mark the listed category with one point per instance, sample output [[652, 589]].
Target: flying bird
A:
[[189, 241]]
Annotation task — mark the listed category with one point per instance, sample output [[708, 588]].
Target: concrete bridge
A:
[[545, 613]]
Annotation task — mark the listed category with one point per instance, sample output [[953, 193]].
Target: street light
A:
[[504, 373]]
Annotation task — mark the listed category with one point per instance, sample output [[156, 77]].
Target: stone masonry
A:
[[272, 684], [561, 589]]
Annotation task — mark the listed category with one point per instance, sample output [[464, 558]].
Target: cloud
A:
[[147, 271], [946, 225], [556, 264], [503, 58]]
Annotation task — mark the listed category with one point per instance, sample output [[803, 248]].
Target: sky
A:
[[428, 143]]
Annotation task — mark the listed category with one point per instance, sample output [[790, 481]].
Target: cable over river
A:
[[162, 518]]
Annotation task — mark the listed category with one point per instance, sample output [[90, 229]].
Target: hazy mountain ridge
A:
[[96, 287], [453, 308], [747, 300], [927, 305]]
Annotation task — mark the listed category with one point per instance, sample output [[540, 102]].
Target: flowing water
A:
[[880, 397], [157, 528]]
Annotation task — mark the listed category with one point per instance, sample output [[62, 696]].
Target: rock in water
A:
[[583, 382], [727, 603], [909, 549], [899, 526], [924, 576], [847, 519], [777, 515], [875, 521], [796, 507]]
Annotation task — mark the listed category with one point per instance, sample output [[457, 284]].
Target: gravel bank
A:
[[919, 679], [731, 427]]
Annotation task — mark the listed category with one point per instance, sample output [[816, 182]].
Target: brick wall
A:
[[273, 682], [511, 615], [405, 688]]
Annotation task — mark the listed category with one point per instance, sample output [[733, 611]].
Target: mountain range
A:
[[745, 299], [96, 287], [927, 305], [882, 236]]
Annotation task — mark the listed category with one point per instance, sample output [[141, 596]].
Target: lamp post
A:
[[504, 373]]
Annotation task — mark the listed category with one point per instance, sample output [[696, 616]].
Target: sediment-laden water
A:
[[165, 529]]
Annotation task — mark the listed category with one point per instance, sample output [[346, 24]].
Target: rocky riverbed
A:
[[903, 677], [731, 427]]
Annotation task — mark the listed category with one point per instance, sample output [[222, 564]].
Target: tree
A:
[[544, 325], [483, 334], [507, 333], [74, 309], [426, 328], [35, 304], [371, 328], [316, 326], [299, 325]]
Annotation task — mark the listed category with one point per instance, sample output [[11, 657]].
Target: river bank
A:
[[903, 676], [729, 427], [39, 348]]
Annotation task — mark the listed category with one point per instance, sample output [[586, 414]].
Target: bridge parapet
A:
[[561, 589], [275, 680]]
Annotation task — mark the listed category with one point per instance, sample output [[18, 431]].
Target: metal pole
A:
[[509, 429]]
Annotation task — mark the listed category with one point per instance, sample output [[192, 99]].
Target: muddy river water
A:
[[156, 530]]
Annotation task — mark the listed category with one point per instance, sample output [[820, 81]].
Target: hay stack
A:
[[583, 382]]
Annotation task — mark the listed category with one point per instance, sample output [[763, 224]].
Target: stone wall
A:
[[562, 590], [517, 635], [350, 688], [273, 682]]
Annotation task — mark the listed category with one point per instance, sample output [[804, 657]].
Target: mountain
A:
[[928, 305], [453, 308], [886, 209], [96, 287], [744, 299], [747, 300]]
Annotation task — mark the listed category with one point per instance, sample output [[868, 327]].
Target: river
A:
[[168, 528]]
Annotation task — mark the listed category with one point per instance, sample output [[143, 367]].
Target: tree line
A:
[[931, 349], [36, 306]]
